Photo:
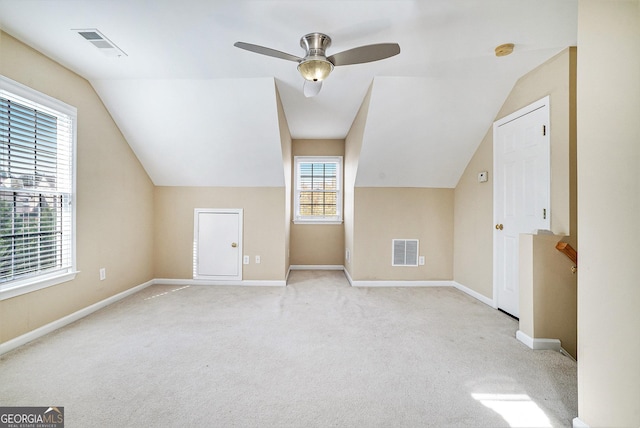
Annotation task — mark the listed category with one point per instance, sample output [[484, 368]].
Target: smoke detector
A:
[[100, 41], [504, 50]]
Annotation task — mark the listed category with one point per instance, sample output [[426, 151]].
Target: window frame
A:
[[306, 219], [19, 93]]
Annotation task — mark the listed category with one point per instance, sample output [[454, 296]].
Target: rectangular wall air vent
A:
[[404, 252], [97, 39]]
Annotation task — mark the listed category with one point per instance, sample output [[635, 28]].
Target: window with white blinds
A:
[[318, 189], [36, 187]]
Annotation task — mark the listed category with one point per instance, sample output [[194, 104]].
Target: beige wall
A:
[[553, 78], [548, 301], [287, 162], [609, 211], [473, 216], [263, 228], [548, 288], [555, 290], [383, 214], [353, 145], [375, 216], [114, 200], [317, 244], [473, 223]]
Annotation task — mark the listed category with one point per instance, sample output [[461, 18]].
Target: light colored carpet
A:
[[317, 353]]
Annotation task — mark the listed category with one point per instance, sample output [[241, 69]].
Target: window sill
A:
[[35, 284], [317, 221]]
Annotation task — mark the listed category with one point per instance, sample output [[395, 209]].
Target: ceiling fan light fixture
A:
[[315, 66], [315, 69]]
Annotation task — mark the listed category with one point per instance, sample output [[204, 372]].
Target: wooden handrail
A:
[[568, 251]]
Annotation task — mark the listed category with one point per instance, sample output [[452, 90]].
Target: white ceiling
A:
[[199, 112]]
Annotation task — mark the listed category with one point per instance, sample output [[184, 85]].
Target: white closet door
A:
[[218, 244], [521, 193]]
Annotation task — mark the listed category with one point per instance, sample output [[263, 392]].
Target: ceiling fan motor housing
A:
[[315, 44], [315, 66]]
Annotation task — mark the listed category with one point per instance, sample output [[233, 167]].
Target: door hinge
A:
[[544, 130], [544, 213]]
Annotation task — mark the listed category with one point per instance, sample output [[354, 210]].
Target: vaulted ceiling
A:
[[197, 111]]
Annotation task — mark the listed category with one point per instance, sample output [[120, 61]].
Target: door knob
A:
[[499, 226], [234, 245]]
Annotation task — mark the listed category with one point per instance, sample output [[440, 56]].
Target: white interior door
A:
[[521, 193], [218, 244]]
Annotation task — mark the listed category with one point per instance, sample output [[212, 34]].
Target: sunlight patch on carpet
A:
[[519, 410], [166, 293]]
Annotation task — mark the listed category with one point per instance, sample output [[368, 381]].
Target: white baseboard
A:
[[396, 283], [242, 282], [566, 354], [264, 283], [475, 294], [59, 323], [538, 344], [316, 267], [400, 283], [346, 273], [577, 423]]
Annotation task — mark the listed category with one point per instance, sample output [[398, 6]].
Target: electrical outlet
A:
[[245, 260], [103, 274], [257, 259], [421, 260]]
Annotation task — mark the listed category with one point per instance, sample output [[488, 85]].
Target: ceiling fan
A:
[[315, 66]]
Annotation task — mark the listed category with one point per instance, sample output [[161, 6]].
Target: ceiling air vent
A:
[[97, 39], [404, 252]]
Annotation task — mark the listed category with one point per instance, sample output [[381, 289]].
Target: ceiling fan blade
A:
[[267, 51], [364, 54], [311, 88]]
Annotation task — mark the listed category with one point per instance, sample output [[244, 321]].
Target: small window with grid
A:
[[318, 189]]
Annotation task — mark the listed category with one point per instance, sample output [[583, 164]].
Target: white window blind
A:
[[36, 189], [318, 189]]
